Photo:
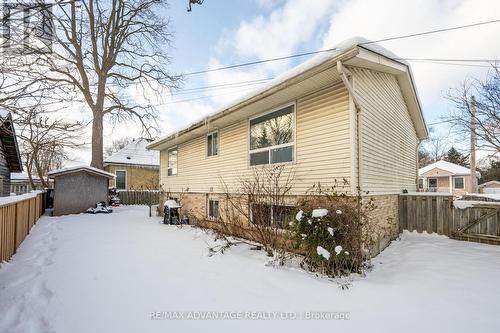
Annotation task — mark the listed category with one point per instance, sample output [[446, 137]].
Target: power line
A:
[[431, 32], [333, 49]]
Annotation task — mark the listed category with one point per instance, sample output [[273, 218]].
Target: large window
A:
[[213, 209], [121, 180], [213, 144], [459, 182], [172, 162], [272, 137]]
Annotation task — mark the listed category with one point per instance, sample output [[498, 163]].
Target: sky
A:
[[226, 32]]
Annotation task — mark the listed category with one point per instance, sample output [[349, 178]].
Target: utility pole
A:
[[473, 179]]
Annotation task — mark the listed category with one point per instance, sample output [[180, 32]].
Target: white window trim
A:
[[212, 218], [293, 143], [177, 162], [218, 145], [272, 210], [463, 182], [126, 180]]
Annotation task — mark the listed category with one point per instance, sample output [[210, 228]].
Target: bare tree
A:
[[193, 2], [116, 145], [487, 117], [99, 49], [45, 139], [436, 146]]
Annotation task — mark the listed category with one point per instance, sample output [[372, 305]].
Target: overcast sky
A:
[[225, 32]]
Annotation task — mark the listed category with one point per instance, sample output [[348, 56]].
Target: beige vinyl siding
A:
[[388, 140], [322, 149]]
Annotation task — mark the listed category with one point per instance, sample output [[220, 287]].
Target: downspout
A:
[[343, 73], [419, 142]]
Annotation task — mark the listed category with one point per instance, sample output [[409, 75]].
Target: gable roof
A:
[[491, 182], [308, 76], [79, 168], [9, 142], [135, 153], [452, 168]]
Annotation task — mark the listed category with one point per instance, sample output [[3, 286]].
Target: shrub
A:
[[330, 230]]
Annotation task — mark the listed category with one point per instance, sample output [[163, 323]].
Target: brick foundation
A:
[[383, 222]]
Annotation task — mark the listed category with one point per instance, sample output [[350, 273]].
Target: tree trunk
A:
[[97, 141]]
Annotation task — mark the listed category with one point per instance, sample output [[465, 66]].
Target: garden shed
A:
[[78, 188]]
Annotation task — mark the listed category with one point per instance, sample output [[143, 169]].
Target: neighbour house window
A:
[[272, 137], [213, 144], [420, 183], [213, 209], [121, 180], [459, 182], [172, 162]]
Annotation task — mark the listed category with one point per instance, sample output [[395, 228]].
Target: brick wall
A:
[[137, 177], [383, 223]]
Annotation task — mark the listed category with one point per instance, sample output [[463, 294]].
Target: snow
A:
[[468, 200], [135, 153], [110, 272], [330, 230], [338, 249], [171, 204], [16, 198], [323, 252], [339, 211], [319, 212], [22, 176], [77, 168], [494, 196], [298, 217], [446, 166]]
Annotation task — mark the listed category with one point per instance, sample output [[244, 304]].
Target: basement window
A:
[[172, 162], [276, 216], [213, 144], [272, 137], [213, 209], [459, 182]]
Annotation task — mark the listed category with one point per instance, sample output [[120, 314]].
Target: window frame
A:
[[213, 218], [116, 180], [455, 184], [270, 148], [218, 144], [176, 162], [272, 222]]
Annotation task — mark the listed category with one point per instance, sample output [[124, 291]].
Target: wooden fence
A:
[[139, 197], [436, 213], [16, 220]]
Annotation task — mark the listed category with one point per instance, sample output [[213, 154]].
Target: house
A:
[[445, 177], [490, 187], [20, 183], [78, 188], [134, 166], [10, 158], [352, 113]]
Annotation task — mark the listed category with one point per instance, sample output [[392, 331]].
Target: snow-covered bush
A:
[[329, 230]]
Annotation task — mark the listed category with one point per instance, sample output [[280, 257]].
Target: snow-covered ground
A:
[[109, 273]]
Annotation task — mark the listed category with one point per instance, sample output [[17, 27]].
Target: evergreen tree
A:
[[454, 156]]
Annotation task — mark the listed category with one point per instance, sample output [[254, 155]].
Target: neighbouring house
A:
[[10, 158], [352, 113], [134, 166], [491, 187], [78, 188], [20, 183], [445, 177]]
